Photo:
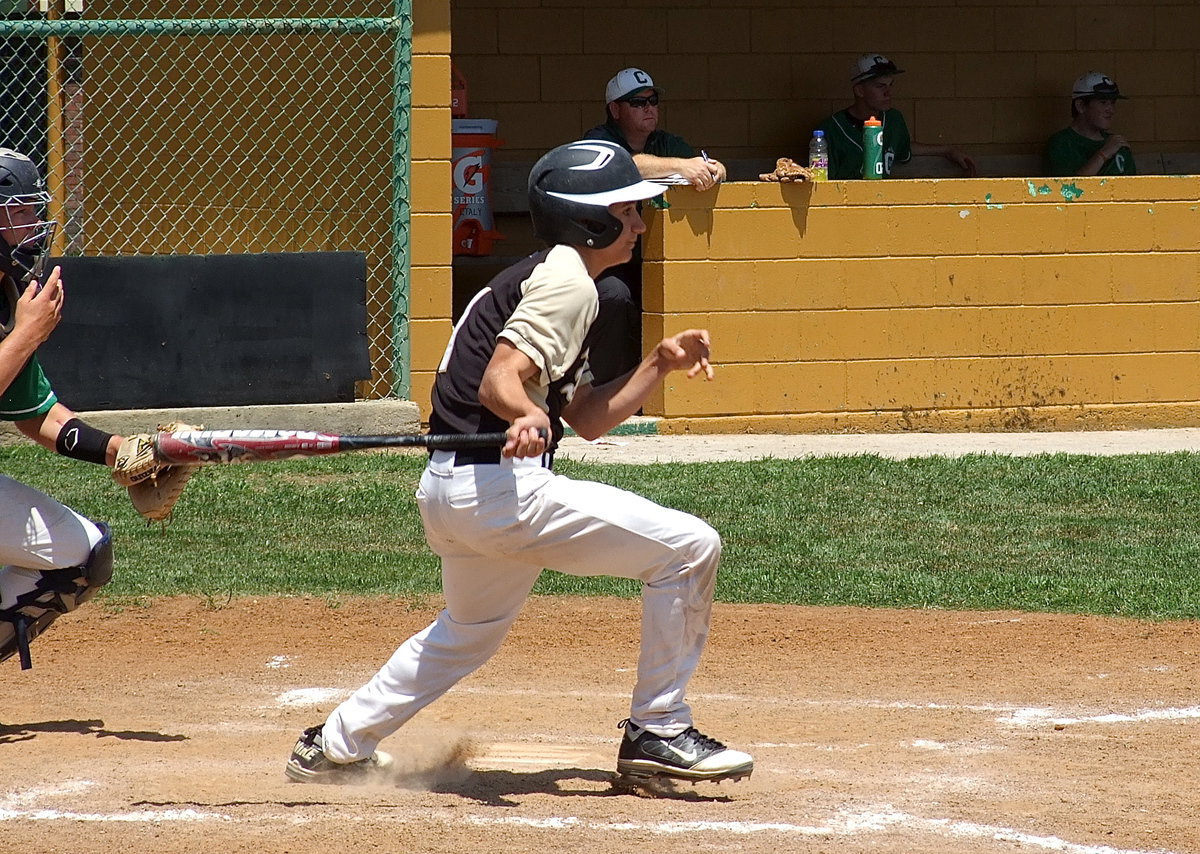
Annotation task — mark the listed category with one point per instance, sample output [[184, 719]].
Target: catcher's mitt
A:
[[787, 171], [153, 486]]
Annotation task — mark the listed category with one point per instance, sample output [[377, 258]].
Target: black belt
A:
[[490, 457], [477, 457]]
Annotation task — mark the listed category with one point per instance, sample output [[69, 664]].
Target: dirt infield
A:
[[165, 727]]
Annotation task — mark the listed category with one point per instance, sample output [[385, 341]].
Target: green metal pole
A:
[[206, 27], [401, 209]]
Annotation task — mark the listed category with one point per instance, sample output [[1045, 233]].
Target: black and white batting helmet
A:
[[21, 184], [571, 187]]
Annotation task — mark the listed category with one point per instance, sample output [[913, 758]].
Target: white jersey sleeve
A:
[[558, 305]]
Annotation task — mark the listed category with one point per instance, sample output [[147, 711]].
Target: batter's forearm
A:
[[593, 411]]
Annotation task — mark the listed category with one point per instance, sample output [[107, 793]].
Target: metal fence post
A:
[[401, 207]]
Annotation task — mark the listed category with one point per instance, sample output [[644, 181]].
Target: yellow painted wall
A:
[[948, 305]]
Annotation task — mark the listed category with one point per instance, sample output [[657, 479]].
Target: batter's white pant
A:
[[37, 533], [495, 528]]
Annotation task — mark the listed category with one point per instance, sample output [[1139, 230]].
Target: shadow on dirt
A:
[[11, 733], [498, 787]]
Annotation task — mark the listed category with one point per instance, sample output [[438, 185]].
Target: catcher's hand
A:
[[153, 486]]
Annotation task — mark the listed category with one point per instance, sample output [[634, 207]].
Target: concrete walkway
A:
[[685, 448]]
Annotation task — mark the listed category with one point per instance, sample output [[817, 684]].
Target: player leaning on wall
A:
[[51, 558]]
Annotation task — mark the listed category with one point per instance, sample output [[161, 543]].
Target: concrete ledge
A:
[[367, 417], [1039, 418], [638, 425]]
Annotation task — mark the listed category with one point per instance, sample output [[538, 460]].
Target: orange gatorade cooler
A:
[[474, 227]]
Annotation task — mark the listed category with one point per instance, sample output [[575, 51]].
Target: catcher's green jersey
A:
[[1068, 150], [845, 136], [29, 395]]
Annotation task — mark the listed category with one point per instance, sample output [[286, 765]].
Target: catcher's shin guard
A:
[[57, 592]]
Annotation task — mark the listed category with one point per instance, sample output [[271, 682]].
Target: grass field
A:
[[1105, 535]]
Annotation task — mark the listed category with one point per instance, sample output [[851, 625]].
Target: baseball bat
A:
[[201, 447]]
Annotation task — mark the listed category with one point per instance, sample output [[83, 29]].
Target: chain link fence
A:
[[213, 133]]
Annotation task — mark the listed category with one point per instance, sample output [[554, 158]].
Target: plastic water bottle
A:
[[818, 156], [872, 148]]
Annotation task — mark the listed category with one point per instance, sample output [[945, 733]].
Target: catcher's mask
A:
[[571, 187], [25, 233]]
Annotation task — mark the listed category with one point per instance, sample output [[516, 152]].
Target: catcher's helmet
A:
[[22, 245], [571, 187]]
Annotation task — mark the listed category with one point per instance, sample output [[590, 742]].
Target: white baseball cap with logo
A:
[[626, 82], [1096, 85], [872, 65]]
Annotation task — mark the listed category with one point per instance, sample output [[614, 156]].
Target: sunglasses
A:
[[639, 103]]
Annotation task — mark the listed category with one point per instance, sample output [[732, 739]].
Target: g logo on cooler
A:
[[468, 174]]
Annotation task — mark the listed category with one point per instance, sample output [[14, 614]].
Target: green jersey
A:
[[1068, 150], [659, 143], [29, 395], [845, 135]]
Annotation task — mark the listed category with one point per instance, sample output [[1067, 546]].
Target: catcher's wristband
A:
[[82, 442]]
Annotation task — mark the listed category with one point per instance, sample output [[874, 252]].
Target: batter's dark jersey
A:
[[556, 339]]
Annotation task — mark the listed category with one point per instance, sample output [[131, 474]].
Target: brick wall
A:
[[751, 79], [988, 304]]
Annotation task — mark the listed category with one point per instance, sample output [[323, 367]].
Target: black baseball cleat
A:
[[309, 764], [691, 755]]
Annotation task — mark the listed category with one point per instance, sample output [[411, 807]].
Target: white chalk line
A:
[[1044, 716], [844, 823], [135, 817], [1014, 715], [319, 695], [20, 805], [310, 696]]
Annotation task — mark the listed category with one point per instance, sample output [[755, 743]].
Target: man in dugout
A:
[[632, 119]]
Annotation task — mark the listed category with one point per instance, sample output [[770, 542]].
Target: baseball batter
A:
[[517, 361], [51, 558]]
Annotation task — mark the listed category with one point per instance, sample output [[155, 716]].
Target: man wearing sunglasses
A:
[[631, 113], [631, 121]]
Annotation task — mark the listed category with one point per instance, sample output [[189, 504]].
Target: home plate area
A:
[[165, 726]]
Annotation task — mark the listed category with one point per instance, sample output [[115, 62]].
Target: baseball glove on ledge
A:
[[153, 486], [787, 171]]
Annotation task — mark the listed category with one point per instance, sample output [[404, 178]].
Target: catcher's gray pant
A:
[[495, 527], [38, 533]]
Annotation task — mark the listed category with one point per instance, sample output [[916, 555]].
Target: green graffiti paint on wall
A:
[[1070, 192]]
